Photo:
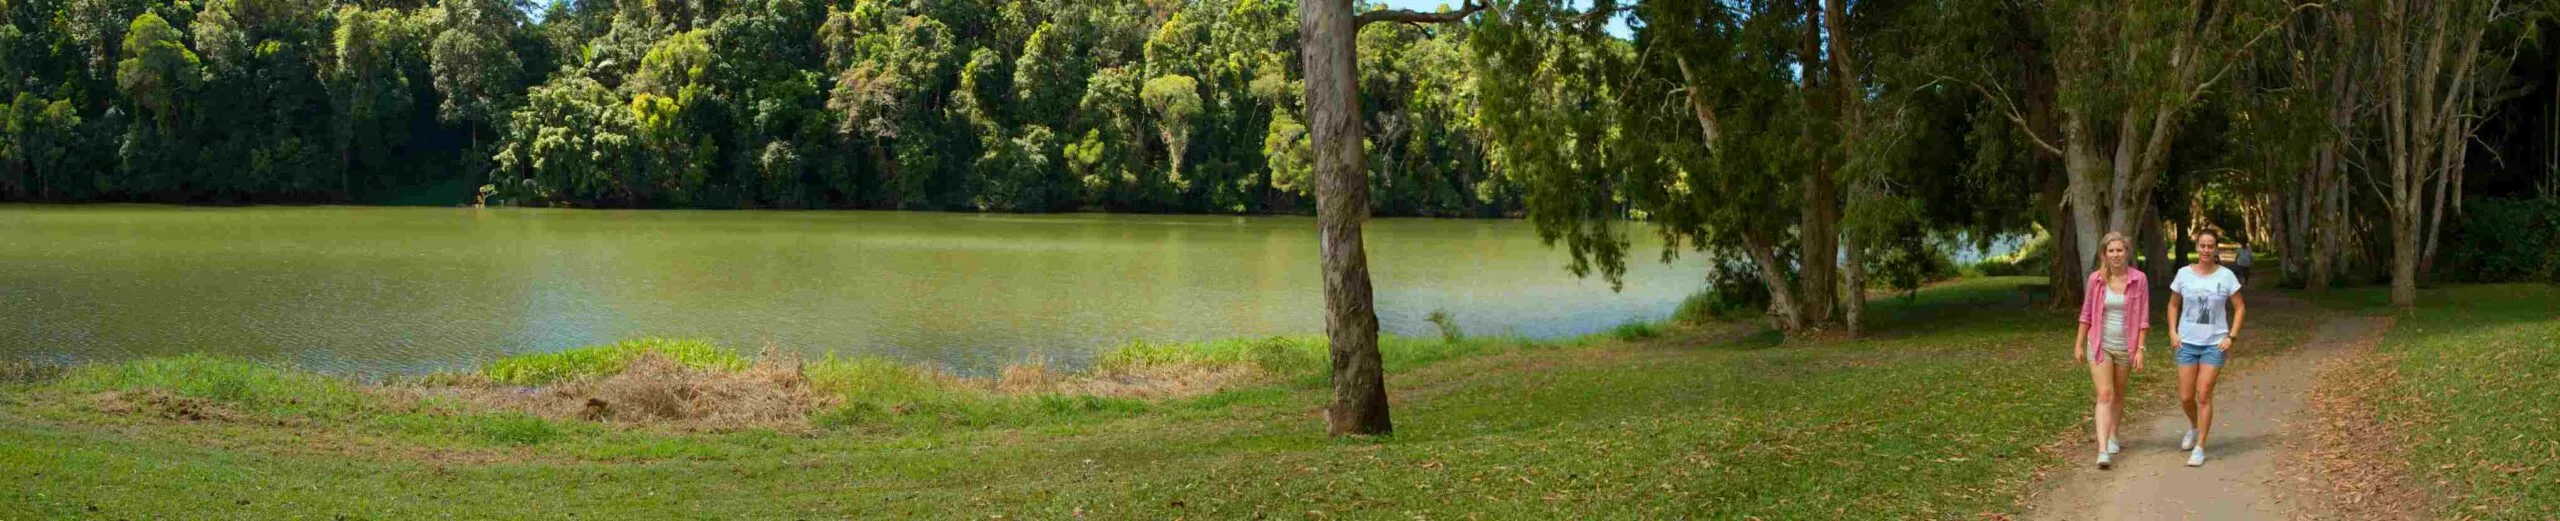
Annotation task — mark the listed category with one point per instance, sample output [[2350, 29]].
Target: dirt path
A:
[[2254, 413]]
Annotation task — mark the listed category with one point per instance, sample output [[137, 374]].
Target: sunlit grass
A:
[[1940, 413], [2476, 391]]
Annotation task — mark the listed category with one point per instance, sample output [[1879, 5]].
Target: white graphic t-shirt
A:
[[2203, 318]]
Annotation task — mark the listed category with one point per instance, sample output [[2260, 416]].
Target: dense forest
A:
[[1032, 105]]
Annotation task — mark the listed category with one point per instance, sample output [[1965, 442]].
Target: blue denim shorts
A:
[[2191, 354]]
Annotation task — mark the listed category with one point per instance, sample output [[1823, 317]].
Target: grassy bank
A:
[[2469, 378], [1946, 412]]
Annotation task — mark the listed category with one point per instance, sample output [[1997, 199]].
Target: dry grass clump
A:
[[653, 390], [1173, 379], [155, 402]]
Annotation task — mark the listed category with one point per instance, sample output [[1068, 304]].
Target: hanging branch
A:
[[1408, 16]]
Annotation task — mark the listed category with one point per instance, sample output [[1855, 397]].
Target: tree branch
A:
[[2246, 47], [2010, 109], [1408, 16]]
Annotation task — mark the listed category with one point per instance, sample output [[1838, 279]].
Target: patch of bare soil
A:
[[658, 392], [161, 404], [1156, 381], [2351, 465]]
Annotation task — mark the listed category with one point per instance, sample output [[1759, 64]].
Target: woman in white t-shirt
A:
[[2203, 334]]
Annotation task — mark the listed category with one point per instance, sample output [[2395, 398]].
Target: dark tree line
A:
[[983, 105]]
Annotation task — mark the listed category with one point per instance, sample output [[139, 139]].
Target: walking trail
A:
[[2256, 411]]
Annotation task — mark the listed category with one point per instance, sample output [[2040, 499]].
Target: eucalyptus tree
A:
[[1712, 124], [1329, 33], [2433, 67]]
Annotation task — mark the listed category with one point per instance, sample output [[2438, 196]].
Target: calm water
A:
[[406, 289]]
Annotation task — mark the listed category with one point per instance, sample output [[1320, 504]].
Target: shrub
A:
[[516, 429], [607, 360], [234, 382], [1635, 331], [1448, 325], [1711, 306], [2504, 240], [1907, 263]]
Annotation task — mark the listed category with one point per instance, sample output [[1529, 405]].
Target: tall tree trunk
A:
[[2061, 271], [2156, 234], [2081, 161], [1342, 200], [1818, 234], [1853, 124], [2328, 179]]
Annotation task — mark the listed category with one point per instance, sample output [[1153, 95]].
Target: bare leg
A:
[[2187, 392], [2102, 374], [2204, 402], [2124, 376]]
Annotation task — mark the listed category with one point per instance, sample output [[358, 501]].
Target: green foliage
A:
[[606, 360], [158, 69], [1026, 106], [516, 429], [1907, 262], [235, 383], [1635, 331], [2504, 240], [1447, 324], [2033, 257]]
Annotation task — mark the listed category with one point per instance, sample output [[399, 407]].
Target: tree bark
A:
[[1333, 122], [1784, 313], [2060, 271], [2155, 245], [2081, 162], [1853, 125], [1818, 235]]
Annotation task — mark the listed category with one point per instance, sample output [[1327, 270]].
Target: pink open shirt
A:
[[2137, 310]]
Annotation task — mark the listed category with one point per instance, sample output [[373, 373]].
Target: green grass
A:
[[1940, 413], [2479, 394], [608, 359]]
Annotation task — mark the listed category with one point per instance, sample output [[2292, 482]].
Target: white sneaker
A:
[[2189, 442], [2106, 461], [2195, 457], [2112, 447]]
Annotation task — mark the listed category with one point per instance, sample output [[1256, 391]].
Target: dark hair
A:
[[2211, 230]]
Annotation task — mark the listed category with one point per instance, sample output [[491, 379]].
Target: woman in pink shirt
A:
[[2113, 314]]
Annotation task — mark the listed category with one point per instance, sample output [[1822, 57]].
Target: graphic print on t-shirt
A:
[[2203, 307]]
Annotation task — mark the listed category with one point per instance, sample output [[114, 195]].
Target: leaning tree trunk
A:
[[1784, 312], [1342, 202]]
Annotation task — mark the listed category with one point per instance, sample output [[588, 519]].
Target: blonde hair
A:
[[2111, 238]]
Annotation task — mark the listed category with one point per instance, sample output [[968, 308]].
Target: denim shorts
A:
[[2191, 354]]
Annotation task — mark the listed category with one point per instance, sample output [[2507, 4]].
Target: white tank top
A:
[[2112, 337]]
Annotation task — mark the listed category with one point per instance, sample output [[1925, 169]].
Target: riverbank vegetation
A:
[[1946, 417], [1019, 106]]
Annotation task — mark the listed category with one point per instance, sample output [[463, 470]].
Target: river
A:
[[406, 289]]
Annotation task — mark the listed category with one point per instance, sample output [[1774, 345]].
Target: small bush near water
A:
[[608, 359]]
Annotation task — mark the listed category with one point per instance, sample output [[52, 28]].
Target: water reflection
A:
[[408, 289]]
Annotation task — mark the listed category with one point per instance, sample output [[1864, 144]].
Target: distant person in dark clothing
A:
[[2240, 264]]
